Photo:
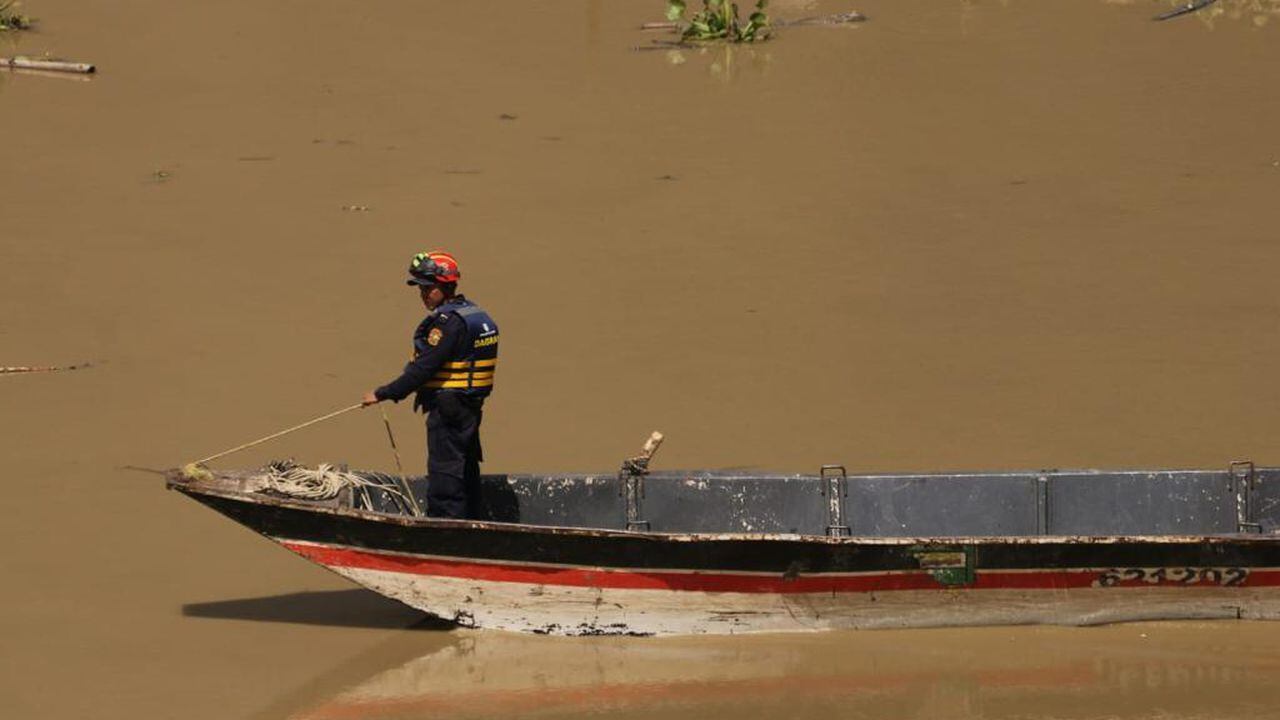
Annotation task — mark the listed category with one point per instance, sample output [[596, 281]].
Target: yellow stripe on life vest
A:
[[453, 384], [451, 376], [441, 384], [463, 376], [465, 365]]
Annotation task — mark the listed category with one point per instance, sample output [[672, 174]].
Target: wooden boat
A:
[[639, 553]]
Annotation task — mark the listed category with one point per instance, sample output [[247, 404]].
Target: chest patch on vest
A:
[[433, 337]]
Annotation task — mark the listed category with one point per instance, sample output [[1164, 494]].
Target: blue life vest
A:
[[471, 371]]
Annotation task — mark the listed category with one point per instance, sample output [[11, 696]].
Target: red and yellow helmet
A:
[[432, 268]]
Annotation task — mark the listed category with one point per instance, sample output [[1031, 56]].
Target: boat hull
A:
[[578, 581], [480, 595]]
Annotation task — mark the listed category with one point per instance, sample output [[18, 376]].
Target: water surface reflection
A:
[[1179, 670]]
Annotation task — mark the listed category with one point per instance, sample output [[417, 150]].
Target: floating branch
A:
[[14, 370], [26, 63], [844, 18], [686, 41], [838, 19], [73, 77], [1185, 9]]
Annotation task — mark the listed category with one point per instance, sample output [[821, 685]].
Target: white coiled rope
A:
[[324, 482]]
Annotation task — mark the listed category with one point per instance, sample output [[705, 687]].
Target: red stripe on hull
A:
[[633, 579]]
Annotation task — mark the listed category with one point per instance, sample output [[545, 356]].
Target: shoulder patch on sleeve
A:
[[433, 337]]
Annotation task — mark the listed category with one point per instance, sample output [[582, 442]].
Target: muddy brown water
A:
[[964, 235]]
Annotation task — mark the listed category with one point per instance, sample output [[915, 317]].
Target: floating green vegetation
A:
[[11, 19], [718, 20]]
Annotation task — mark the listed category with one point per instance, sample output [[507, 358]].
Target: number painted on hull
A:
[[1131, 577]]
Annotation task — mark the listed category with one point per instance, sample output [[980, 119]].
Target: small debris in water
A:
[[11, 19], [507, 116], [666, 177], [256, 158], [454, 171], [356, 208]]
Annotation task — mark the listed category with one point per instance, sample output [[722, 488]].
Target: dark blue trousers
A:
[[453, 456]]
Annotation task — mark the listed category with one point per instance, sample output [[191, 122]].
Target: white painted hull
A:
[[574, 610]]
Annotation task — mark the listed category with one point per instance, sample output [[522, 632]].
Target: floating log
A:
[[72, 77], [837, 19], [26, 63], [14, 370]]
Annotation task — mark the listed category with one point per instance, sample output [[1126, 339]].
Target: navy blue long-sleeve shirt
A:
[[450, 344]]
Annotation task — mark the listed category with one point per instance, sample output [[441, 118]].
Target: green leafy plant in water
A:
[[11, 19], [718, 20]]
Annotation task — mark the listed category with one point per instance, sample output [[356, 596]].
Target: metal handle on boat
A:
[[841, 479], [632, 480], [1243, 476], [839, 490]]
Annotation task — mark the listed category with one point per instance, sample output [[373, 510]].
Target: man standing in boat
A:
[[455, 355]]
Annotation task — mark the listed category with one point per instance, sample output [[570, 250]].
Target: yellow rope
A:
[[273, 436]]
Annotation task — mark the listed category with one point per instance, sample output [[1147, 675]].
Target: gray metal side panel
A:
[[782, 504], [1266, 500], [969, 504], [593, 501], [920, 505], [1158, 503]]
